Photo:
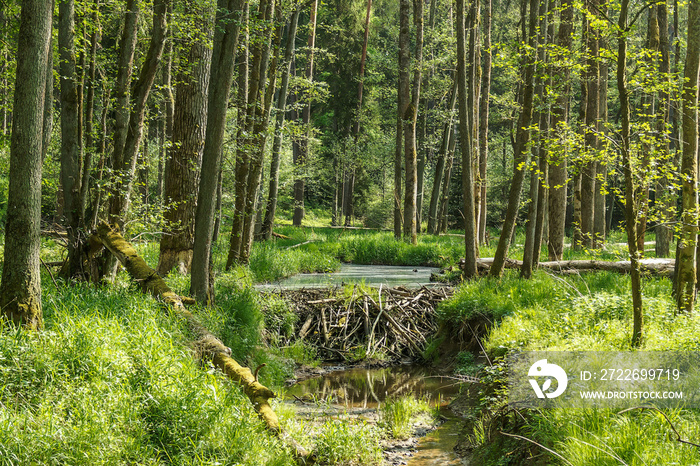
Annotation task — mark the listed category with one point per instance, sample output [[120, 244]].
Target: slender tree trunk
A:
[[126, 164], [442, 214], [71, 140], [630, 195], [663, 197], [306, 120], [221, 78], [519, 149], [404, 96], [466, 146], [184, 162], [592, 82], [20, 291], [686, 252], [410, 118], [242, 147], [433, 220], [262, 116], [279, 124], [484, 118]]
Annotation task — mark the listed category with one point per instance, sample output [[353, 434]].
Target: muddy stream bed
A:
[[357, 394]]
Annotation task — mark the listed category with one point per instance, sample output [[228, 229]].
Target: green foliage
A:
[[342, 443], [397, 415]]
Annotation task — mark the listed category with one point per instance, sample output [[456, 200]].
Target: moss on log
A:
[[208, 344]]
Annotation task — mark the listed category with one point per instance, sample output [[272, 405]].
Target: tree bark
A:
[[687, 243], [592, 82], [484, 119], [184, 163], [221, 77], [20, 290], [466, 145], [71, 135], [664, 198], [410, 117]]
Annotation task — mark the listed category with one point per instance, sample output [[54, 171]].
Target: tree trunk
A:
[[183, 165], [262, 116], [433, 220], [279, 125], [442, 213], [630, 195], [241, 170], [306, 120], [466, 145], [519, 149], [592, 82], [538, 177], [221, 78], [686, 252], [410, 117], [20, 291], [71, 135], [125, 164], [484, 119], [664, 199], [403, 102]]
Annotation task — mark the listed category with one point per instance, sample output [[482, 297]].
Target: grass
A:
[[588, 312], [397, 415], [111, 380], [344, 443]]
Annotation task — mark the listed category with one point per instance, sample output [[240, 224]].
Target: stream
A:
[[372, 275], [359, 393]]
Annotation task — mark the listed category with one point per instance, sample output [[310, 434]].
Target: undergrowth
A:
[[588, 312]]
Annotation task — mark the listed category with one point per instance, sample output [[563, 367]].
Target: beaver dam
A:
[[351, 323]]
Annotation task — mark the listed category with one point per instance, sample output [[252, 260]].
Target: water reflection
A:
[[368, 388]]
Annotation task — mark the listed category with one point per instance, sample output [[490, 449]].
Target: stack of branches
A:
[[394, 320]]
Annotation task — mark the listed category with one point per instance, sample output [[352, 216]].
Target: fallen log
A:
[[662, 267], [207, 344]]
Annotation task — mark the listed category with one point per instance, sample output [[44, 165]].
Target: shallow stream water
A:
[[365, 390], [372, 275]]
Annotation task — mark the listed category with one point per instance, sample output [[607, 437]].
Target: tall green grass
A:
[[588, 312], [111, 380]]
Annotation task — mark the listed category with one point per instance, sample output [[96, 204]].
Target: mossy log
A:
[[208, 344], [663, 267]]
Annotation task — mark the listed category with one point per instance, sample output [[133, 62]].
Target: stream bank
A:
[[360, 396]]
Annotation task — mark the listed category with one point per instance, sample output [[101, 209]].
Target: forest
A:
[[166, 165]]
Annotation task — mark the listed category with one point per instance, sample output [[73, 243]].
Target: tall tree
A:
[[631, 209], [20, 290], [403, 102], [221, 77], [409, 118], [558, 157], [182, 168], [466, 146], [303, 153], [663, 194], [484, 103], [686, 252], [520, 147], [71, 135], [279, 125]]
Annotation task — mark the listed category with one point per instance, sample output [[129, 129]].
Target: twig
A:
[[49, 271], [480, 345], [539, 445], [678, 436]]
